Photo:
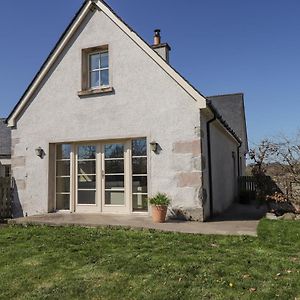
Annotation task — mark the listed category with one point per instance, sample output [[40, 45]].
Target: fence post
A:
[[5, 198]]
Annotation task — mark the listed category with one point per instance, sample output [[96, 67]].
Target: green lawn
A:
[[82, 263]]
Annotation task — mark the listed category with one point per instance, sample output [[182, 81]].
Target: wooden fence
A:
[[247, 183], [247, 189], [5, 198]]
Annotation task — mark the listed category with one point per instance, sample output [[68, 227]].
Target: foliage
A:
[[262, 156], [288, 152], [160, 199], [279, 158], [107, 263]]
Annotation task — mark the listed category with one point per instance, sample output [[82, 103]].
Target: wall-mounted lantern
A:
[[153, 146], [39, 152]]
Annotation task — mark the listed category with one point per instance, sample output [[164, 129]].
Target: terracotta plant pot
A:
[[159, 213]]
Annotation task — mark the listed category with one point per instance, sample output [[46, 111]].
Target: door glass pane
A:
[[139, 147], [87, 167], [87, 182], [87, 152], [86, 179], [114, 198], [139, 202], [86, 197], [114, 166], [139, 184], [116, 181], [139, 165], [63, 184], [114, 151], [62, 201]]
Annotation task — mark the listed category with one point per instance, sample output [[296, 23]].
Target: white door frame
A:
[[117, 209], [86, 208]]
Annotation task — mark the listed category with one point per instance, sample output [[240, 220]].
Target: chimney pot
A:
[[157, 38]]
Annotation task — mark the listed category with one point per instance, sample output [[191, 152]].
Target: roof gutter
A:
[[223, 122], [238, 159]]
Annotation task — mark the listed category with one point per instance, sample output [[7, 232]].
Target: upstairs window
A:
[[98, 70], [95, 70]]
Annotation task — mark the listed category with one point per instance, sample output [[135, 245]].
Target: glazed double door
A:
[[102, 177], [107, 176]]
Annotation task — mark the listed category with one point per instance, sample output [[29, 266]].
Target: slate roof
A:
[[5, 139], [231, 107]]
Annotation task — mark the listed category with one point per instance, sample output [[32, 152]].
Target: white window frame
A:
[[99, 70], [63, 176], [139, 175]]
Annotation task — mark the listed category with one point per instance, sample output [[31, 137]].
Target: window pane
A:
[[104, 77], [139, 165], [86, 182], [62, 202], [114, 166], [139, 184], [139, 202], [86, 197], [139, 147], [95, 79], [114, 198], [63, 184], [63, 168], [94, 61], [104, 60], [114, 151], [87, 152], [87, 167], [63, 151], [116, 181]]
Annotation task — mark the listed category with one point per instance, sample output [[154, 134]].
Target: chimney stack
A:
[[162, 49]]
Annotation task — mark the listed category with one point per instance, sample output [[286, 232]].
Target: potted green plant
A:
[[159, 205]]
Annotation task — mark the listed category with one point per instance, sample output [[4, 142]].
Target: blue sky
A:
[[219, 46]]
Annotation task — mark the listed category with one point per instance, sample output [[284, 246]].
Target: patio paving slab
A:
[[223, 227]]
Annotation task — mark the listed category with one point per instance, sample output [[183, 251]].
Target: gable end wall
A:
[[146, 102]]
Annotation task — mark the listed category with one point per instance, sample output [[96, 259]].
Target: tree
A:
[[262, 156], [278, 160], [288, 155]]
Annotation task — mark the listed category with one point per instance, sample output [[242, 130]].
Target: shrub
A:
[[160, 199]]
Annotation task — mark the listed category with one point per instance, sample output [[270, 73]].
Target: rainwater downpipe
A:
[[238, 169], [211, 202], [238, 157]]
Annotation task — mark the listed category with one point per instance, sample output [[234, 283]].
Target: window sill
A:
[[101, 91]]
